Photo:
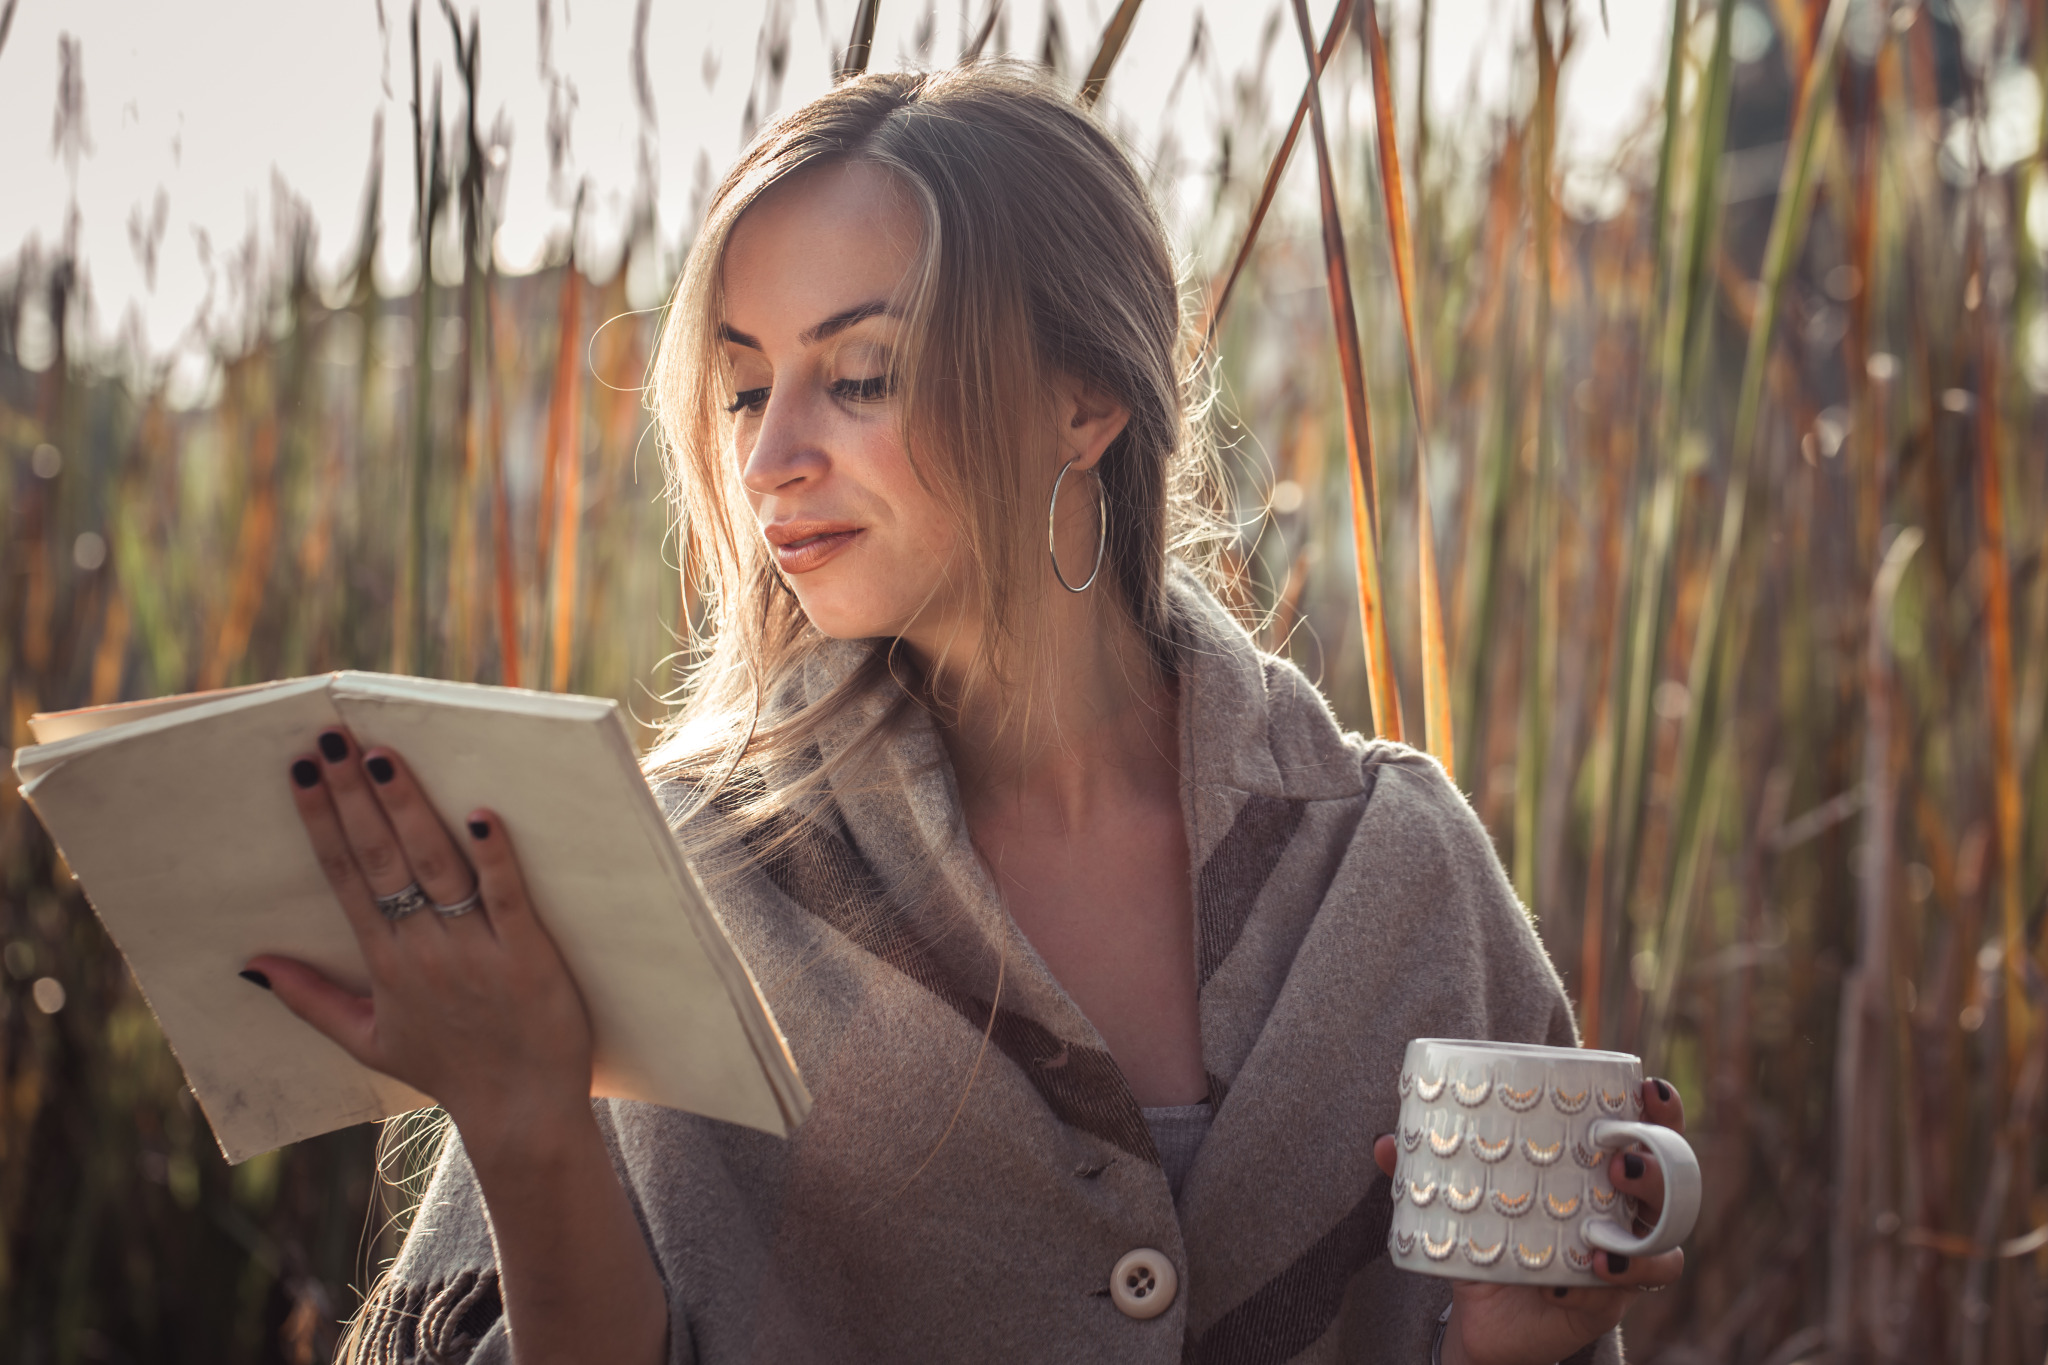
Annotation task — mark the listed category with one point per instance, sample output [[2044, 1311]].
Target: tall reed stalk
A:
[[1727, 608]]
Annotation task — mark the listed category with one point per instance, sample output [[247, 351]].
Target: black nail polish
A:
[[479, 829], [381, 769], [252, 975], [306, 773], [334, 745], [1617, 1265], [1663, 1091], [1632, 1166]]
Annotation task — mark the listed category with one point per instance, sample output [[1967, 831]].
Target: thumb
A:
[[349, 1019], [1385, 1153]]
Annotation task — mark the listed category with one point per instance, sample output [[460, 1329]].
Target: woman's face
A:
[[811, 275]]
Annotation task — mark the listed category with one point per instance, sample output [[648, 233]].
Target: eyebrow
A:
[[830, 327]]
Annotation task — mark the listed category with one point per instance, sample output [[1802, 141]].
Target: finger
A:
[[1639, 1176], [441, 871], [1584, 1301], [497, 872], [1639, 1272], [1385, 1153], [370, 840], [1663, 1105], [1583, 1314], [1530, 1322], [337, 861], [347, 1018]]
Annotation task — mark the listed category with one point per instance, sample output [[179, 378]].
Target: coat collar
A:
[[1251, 725], [1257, 744], [1249, 722]]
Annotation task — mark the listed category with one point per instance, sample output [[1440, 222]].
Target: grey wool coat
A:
[[947, 1201]]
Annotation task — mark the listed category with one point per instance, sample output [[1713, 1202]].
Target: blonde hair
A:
[[1042, 257]]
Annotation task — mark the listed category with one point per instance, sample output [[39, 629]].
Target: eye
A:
[[748, 400], [872, 390]]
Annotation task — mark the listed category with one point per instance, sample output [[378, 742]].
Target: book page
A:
[[49, 726]]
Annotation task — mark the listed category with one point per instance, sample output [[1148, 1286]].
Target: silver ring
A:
[[402, 902], [461, 907]]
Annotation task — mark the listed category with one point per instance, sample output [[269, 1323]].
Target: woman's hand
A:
[[476, 1009], [1504, 1324]]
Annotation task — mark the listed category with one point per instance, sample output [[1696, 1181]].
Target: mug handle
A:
[[1681, 1189]]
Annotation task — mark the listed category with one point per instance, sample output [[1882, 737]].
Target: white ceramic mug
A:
[[1504, 1150]]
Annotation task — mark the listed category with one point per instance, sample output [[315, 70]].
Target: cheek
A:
[[929, 527], [921, 521]]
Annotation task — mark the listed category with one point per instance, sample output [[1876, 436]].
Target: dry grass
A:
[[1741, 645]]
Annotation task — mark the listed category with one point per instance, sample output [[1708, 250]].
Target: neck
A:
[[1095, 722]]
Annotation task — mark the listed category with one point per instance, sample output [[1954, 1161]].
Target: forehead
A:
[[826, 239]]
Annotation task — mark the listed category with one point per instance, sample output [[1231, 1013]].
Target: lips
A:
[[803, 546]]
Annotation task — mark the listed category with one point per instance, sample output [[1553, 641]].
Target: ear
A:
[[1090, 419]]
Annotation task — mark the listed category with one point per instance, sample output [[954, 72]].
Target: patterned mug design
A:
[[1503, 1150]]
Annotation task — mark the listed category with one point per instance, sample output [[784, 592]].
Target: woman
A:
[[1096, 940]]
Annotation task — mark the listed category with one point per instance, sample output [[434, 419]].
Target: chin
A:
[[852, 609], [869, 597], [845, 616]]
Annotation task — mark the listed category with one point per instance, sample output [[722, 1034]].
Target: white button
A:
[[1143, 1283]]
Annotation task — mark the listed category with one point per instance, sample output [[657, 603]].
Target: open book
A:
[[177, 819]]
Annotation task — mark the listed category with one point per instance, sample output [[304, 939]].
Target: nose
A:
[[787, 450]]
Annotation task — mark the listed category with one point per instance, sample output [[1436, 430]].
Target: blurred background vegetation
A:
[[1718, 579]]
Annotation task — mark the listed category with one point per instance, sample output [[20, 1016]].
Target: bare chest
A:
[[1110, 910]]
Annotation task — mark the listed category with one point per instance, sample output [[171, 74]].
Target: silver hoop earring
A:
[[1102, 522]]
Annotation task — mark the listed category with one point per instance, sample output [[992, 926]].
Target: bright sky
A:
[[222, 111]]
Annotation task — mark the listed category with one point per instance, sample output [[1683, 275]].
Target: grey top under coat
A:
[[1177, 1132]]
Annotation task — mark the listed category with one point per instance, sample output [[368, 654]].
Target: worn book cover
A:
[[176, 818]]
